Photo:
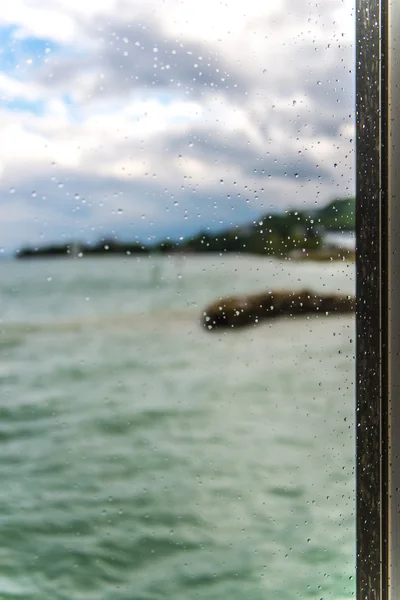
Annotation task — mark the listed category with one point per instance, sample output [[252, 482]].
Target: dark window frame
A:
[[378, 294]]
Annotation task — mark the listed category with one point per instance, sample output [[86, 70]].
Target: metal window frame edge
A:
[[377, 314]]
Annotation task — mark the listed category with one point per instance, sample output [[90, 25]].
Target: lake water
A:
[[143, 458]]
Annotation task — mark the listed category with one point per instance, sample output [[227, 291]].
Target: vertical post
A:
[[372, 297], [393, 318]]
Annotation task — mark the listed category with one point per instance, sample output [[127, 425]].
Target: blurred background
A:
[[157, 157]]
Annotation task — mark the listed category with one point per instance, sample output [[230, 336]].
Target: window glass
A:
[[177, 300]]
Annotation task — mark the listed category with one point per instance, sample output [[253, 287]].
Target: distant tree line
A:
[[273, 234]]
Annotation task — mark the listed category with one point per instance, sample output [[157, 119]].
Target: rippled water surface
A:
[[143, 458]]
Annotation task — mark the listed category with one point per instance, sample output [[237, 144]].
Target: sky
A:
[[144, 119]]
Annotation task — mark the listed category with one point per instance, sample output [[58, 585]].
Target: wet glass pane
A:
[[177, 284]]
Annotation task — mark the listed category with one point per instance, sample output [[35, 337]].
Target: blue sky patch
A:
[[15, 52], [36, 107]]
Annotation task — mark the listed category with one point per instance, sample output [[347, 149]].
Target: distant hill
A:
[[273, 234], [338, 214]]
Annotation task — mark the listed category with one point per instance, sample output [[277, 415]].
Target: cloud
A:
[[131, 57], [164, 117]]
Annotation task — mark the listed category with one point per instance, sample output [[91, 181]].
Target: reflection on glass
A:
[[177, 227]]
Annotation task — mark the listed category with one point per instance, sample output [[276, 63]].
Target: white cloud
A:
[[13, 89], [258, 96]]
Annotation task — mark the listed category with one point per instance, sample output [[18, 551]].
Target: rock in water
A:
[[239, 311]]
